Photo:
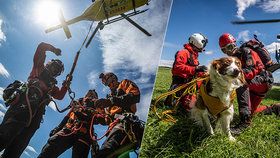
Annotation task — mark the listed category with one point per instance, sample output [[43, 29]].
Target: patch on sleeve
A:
[[249, 62]]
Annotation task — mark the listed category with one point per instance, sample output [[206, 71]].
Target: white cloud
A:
[[210, 52], [243, 35], [1, 116], [3, 71], [144, 106], [52, 106], [3, 108], [124, 46], [166, 63], [26, 153], [272, 47], [93, 78], [242, 5], [2, 35], [1, 93], [271, 6], [31, 149]]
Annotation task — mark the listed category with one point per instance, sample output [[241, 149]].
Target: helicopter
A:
[[277, 51], [109, 11], [257, 22]]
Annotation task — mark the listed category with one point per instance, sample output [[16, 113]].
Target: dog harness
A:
[[213, 104]]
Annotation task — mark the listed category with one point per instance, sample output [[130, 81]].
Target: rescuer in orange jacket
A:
[[126, 129], [28, 101], [259, 81], [76, 129], [186, 67]]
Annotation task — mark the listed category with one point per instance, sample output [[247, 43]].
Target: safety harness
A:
[[213, 104]]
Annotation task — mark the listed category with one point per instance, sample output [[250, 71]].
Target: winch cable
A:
[[69, 77]]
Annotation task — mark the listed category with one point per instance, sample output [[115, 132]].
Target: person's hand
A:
[[67, 81], [201, 68], [57, 52], [257, 79], [102, 103], [53, 132]]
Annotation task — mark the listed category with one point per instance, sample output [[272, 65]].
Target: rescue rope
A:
[[70, 75], [190, 88], [29, 107]]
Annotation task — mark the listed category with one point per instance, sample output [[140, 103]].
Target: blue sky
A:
[[119, 47], [212, 18]]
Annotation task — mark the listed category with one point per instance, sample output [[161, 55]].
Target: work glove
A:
[[57, 51], [201, 68], [67, 81], [54, 131], [102, 103], [258, 79]]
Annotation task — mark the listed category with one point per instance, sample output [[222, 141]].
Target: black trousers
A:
[[58, 144], [14, 135], [244, 102], [113, 141]]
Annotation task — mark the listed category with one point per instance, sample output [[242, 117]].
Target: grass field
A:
[[184, 139]]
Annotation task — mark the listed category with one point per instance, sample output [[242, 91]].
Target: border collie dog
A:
[[216, 94]]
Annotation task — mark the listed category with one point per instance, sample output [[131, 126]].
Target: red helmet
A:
[[226, 39]]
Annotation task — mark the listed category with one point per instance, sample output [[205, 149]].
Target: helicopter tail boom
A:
[[64, 25]]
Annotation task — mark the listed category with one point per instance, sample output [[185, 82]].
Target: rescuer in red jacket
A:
[[27, 102], [186, 67], [259, 82]]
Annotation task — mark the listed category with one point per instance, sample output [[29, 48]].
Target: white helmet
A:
[[198, 40]]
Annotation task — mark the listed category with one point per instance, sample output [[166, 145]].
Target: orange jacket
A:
[[125, 97]]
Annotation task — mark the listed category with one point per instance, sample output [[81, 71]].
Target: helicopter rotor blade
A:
[[136, 25], [255, 21], [100, 25]]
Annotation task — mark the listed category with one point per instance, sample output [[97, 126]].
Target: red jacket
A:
[[38, 67], [251, 63], [185, 62]]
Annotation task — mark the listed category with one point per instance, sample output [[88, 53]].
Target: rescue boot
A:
[[274, 108], [245, 122]]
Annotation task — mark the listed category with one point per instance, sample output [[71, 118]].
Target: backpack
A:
[[12, 92], [259, 48]]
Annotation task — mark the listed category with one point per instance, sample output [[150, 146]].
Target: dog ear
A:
[[216, 64]]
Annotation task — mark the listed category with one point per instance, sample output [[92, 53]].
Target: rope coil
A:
[[190, 88]]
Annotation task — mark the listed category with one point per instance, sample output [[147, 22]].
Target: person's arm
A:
[[130, 94], [180, 63], [57, 93], [250, 70], [102, 119], [127, 94], [60, 126], [40, 57]]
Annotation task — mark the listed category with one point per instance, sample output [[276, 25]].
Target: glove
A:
[[57, 52], [67, 81], [54, 131], [102, 103], [201, 68], [258, 79]]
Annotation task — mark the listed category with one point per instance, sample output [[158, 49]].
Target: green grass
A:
[[184, 139]]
